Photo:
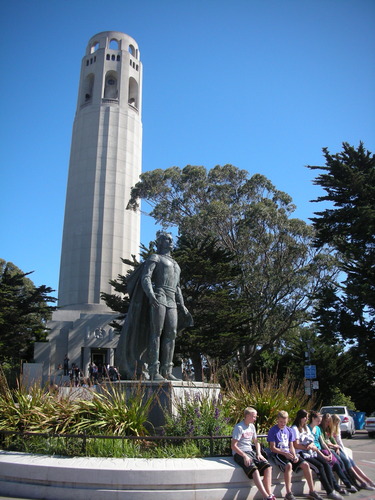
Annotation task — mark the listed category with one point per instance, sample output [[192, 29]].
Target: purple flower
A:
[[190, 429]]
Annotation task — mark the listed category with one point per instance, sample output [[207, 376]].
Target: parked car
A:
[[347, 425], [370, 425]]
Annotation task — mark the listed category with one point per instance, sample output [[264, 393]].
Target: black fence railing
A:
[[78, 443], [82, 444]]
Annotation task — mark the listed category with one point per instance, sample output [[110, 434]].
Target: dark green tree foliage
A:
[[280, 271], [208, 282], [339, 370], [24, 310], [348, 226]]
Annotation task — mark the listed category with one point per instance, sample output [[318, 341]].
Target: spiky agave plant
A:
[[112, 412], [23, 410]]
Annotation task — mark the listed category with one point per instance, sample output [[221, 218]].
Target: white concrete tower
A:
[[105, 162]]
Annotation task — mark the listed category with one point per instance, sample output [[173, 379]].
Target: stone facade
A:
[[105, 162]]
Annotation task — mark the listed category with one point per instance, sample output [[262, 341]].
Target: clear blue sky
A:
[[260, 84]]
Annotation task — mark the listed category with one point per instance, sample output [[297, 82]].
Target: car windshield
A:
[[333, 409]]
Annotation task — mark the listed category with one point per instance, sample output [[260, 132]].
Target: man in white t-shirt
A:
[[246, 452]]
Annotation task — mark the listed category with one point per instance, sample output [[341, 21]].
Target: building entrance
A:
[[99, 357]]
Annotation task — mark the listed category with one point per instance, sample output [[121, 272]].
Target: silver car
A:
[[347, 425]]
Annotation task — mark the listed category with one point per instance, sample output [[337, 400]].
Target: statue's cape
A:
[[132, 346], [131, 353]]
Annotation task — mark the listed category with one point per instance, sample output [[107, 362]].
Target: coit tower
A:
[[105, 162]]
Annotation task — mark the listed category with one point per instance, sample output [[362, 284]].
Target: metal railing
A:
[[81, 441], [84, 438]]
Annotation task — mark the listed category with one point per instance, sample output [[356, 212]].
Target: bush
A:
[[110, 412], [200, 416], [338, 398], [113, 413], [268, 396]]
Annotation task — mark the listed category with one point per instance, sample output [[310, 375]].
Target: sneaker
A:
[[290, 496], [365, 486], [271, 497], [335, 496], [342, 491], [314, 495], [352, 489]]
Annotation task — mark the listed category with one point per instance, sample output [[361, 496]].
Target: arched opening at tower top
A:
[[114, 44], [133, 51], [94, 47]]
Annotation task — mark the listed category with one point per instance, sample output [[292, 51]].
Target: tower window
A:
[[131, 50], [108, 57], [118, 57], [133, 93], [87, 90], [113, 57], [94, 47], [113, 44], [111, 90]]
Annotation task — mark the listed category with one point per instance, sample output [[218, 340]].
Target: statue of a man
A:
[[156, 313]]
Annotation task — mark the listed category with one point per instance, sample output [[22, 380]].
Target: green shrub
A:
[[113, 413], [200, 416], [268, 396], [338, 398]]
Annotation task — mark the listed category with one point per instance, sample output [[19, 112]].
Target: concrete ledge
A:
[[60, 478]]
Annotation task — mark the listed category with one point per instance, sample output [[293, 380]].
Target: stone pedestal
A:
[[168, 394]]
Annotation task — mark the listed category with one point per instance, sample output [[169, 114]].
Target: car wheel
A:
[[371, 434], [350, 435]]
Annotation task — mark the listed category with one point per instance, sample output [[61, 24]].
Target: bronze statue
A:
[[156, 312]]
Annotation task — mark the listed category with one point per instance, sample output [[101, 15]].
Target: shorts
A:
[[282, 461], [260, 465]]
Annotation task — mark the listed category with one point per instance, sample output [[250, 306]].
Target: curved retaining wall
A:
[[58, 478]]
